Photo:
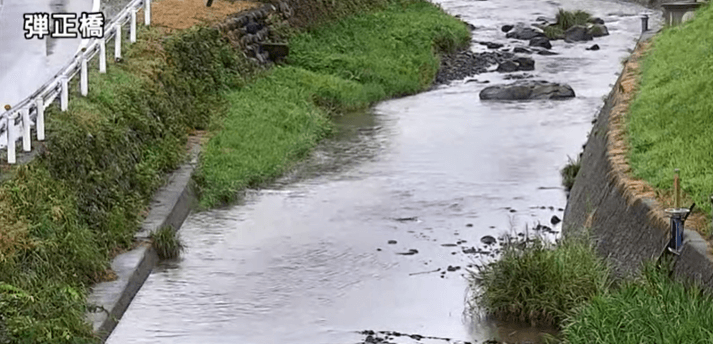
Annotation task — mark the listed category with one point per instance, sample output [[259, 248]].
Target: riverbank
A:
[[79, 203], [634, 142], [626, 176]]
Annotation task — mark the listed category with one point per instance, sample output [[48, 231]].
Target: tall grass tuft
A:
[[537, 283], [567, 19], [167, 243], [569, 173], [653, 309]]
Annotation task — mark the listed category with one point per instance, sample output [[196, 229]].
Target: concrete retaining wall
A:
[[628, 228], [169, 206]]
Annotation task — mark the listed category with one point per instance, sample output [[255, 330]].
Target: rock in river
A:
[[541, 42], [524, 32], [488, 240], [527, 89], [577, 33], [598, 30]]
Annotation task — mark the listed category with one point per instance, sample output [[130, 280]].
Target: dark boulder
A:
[[488, 240], [542, 42], [276, 51], [508, 66], [507, 28], [521, 50], [598, 30], [524, 32], [577, 33], [594, 47], [527, 90], [546, 53], [525, 63], [596, 20], [492, 45]]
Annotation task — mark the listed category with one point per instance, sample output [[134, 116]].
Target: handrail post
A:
[[132, 33], [102, 55], [64, 94], [40, 125], [10, 140], [83, 77], [117, 42], [147, 12], [26, 146]]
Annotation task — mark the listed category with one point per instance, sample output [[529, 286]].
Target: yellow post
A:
[[677, 190]]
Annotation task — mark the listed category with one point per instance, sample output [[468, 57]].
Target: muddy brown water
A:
[[349, 241]]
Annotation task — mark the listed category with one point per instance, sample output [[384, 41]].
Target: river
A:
[[308, 259]]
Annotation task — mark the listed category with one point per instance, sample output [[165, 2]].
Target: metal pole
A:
[[10, 140], [117, 43], [26, 146], [132, 34], [102, 55], [147, 12], [64, 94], [83, 77], [39, 104]]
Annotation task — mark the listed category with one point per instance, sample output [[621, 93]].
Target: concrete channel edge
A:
[[170, 205]]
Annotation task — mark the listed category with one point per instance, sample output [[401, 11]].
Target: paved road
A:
[[27, 64]]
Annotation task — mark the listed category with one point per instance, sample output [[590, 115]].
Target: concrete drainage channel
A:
[[169, 206]]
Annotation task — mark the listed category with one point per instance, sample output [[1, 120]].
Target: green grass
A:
[[569, 173], [565, 20], [345, 65], [67, 213], [653, 309], [570, 287], [669, 121], [536, 283], [167, 243]]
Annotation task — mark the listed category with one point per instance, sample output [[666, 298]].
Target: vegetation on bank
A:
[[346, 65], [167, 242], [668, 123], [569, 286], [67, 213], [533, 282], [569, 172]]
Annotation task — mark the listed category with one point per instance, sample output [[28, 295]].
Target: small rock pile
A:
[[248, 31]]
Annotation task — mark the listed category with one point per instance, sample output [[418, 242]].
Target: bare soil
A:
[[183, 14]]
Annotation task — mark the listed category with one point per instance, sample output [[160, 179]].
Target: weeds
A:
[[535, 282], [653, 309], [569, 173], [167, 243], [565, 20]]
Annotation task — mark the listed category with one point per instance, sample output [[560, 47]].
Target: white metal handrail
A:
[[30, 111]]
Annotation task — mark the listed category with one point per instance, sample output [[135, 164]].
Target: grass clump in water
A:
[[537, 283], [569, 173], [565, 20], [653, 309], [167, 242], [346, 65], [668, 123]]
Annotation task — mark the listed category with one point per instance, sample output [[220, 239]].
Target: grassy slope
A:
[[348, 64], [63, 216], [669, 122]]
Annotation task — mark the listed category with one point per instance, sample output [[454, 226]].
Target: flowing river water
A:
[[349, 241]]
